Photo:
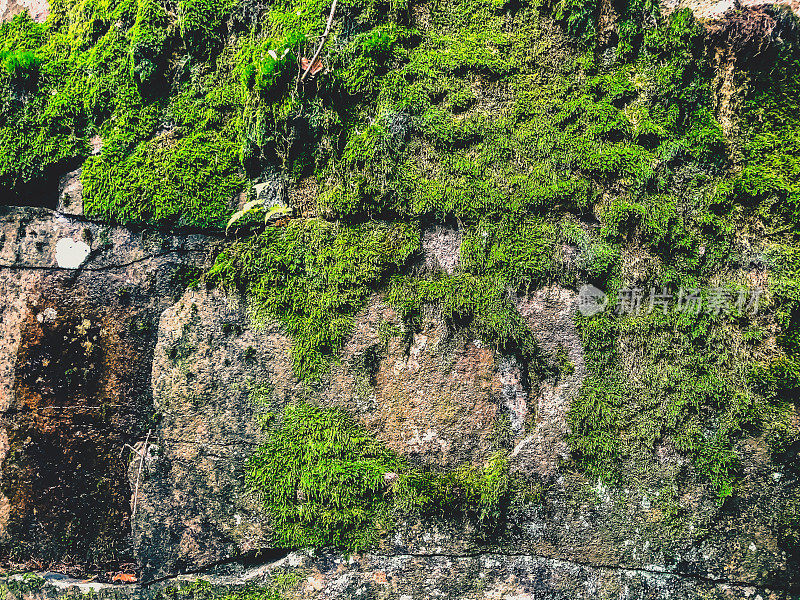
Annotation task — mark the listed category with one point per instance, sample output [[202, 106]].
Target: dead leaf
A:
[[315, 68], [124, 578]]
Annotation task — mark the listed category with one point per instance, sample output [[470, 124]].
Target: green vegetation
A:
[[21, 585], [276, 587], [693, 385], [21, 66], [702, 381], [313, 276], [326, 482], [480, 494], [564, 153], [201, 25], [149, 36], [322, 479], [467, 300]]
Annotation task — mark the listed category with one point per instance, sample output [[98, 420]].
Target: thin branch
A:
[[131, 448], [321, 42], [139, 474]]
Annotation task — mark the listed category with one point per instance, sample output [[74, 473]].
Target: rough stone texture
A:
[[212, 375], [550, 313], [436, 398], [714, 9], [89, 365], [434, 401], [39, 9], [70, 194], [494, 576], [75, 362], [440, 249], [115, 352], [489, 576]]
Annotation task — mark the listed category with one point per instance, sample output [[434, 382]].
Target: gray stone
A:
[[212, 376], [70, 194]]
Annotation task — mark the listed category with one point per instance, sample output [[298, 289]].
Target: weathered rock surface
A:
[[78, 329], [714, 9], [212, 374], [38, 9], [70, 194], [104, 353], [438, 400], [419, 577]]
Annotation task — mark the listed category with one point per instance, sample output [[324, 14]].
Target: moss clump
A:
[[149, 36], [169, 126], [38, 131], [202, 169], [21, 66], [201, 24], [322, 479], [467, 300], [188, 174], [482, 494], [21, 585], [692, 385], [313, 276], [269, 64], [277, 587], [327, 482]]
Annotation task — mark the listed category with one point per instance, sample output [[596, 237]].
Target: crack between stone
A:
[[278, 554], [23, 267], [590, 565], [135, 227], [281, 554], [43, 213], [239, 441]]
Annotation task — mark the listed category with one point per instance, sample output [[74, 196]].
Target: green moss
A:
[[202, 25], [203, 174], [481, 494], [187, 175], [21, 66], [269, 64], [521, 252], [314, 276], [21, 585], [112, 80], [276, 587], [557, 152], [42, 130], [368, 55], [692, 385], [148, 37], [578, 17], [322, 479], [327, 482], [520, 180], [466, 300], [771, 137]]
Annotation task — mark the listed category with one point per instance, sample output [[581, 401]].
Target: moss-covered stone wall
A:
[[570, 143]]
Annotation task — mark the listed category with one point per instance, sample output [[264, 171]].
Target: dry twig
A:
[[321, 42], [139, 474]]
